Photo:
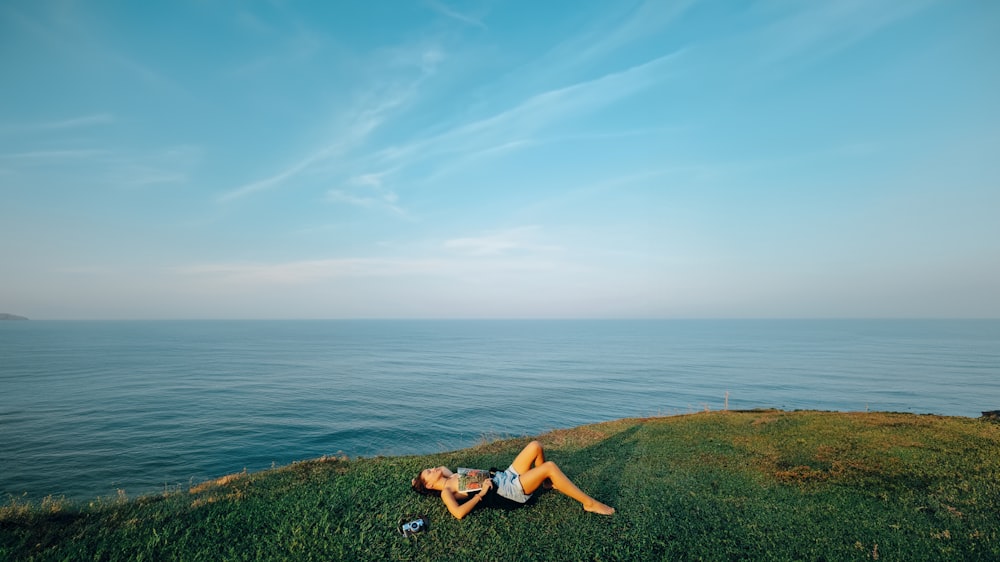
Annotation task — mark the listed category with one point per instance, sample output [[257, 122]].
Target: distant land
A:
[[5, 316]]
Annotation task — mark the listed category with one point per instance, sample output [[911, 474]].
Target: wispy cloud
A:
[[282, 176], [390, 94], [820, 29], [649, 19], [519, 125], [110, 167], [49, 157], [372, 108], [85, 121], [473, 157], [367, 120], [367, 190], [444, 10], [392, 89], [71, 123], [287, 41], [518, 239], [552, 105], [616, 182], [513, 251], [607, 38], [307, 271], [64, 27], [323, 270]]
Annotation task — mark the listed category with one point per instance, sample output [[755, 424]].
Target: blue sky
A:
[[437, 158]]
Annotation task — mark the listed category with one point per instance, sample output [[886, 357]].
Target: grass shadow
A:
[[598, 468]]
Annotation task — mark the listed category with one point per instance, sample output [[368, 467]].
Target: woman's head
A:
[[427, 481], [418, 485]]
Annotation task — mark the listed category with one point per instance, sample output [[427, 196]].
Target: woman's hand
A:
[[487, 486], [460, 510]]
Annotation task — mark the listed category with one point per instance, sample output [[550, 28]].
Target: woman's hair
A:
[[420, 487]]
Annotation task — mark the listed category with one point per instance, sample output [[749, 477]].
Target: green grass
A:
[[764, 485]]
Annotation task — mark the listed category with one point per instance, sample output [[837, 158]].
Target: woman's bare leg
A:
[[533, 478], [530, 456]]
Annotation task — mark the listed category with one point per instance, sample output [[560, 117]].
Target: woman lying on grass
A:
[[526, 473]]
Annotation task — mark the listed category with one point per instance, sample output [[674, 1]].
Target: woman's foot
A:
[[598, 507]]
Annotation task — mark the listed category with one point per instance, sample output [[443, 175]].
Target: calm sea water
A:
[[87, 408]]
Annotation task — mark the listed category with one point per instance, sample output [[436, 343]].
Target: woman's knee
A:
[[550, 467], [534, 448]]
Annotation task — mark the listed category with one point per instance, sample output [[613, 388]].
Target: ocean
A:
[[88, 408]]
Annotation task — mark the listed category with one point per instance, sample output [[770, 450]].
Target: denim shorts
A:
[[508, 485]]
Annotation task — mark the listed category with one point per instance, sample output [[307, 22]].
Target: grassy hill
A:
[[762, 485]]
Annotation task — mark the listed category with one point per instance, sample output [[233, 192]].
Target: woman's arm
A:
[[460, 510]]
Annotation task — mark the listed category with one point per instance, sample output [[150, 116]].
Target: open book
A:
[[470, 480]]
